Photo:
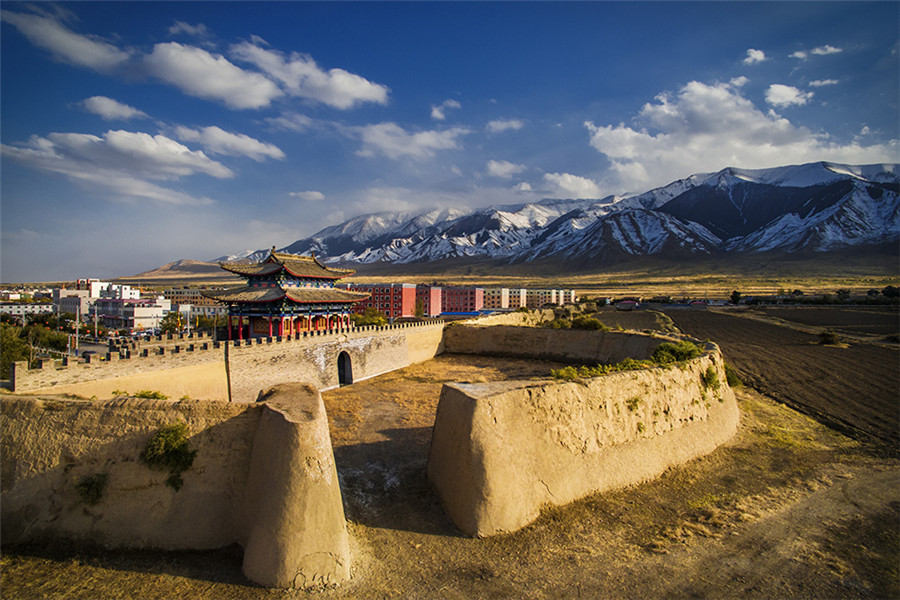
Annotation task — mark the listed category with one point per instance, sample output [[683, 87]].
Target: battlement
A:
[[173, 351]]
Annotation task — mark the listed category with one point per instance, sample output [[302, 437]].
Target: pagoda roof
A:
[[296, 265], [300, 295]]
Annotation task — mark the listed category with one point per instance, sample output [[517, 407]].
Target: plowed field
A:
[[853, 388]]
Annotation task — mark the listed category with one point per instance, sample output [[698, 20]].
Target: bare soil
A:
[[788, 508], [853, 387]]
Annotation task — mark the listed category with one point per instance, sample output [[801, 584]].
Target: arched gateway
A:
[[345, 369], [286, 294]]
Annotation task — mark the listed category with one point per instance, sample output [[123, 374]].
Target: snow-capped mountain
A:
[[817, 207]]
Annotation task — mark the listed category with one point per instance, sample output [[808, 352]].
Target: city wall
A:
[[263, 476], [502, 451], [196, 367]]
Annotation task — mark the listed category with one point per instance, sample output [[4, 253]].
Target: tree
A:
[[735, 297], [12, 348], [891, 292], [371, 316], [420, 308], [171, 323]]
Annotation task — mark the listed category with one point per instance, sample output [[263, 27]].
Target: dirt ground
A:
[[787, 509], [852, 386]]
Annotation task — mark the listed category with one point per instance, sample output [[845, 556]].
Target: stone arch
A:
[[345, 369]]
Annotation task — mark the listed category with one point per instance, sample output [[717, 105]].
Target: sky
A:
[[139, 133]]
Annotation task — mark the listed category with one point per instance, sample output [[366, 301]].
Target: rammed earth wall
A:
[[501, 451], [263, 476], [200, 368]]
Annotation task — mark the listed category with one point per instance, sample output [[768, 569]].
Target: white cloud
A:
[[302, 77], [754, 56], [823, 82], [799, 55], [825, 50], [110, 109], [786, 95], [522, 187], [439, 112], [219, 141], [739, 81], [292, 121], [503, 169], [311, 195], [198, 73], [704, 128], [66, 45], [573, 186], [393, 141], [120, 163], [198, 30], [502, 125]]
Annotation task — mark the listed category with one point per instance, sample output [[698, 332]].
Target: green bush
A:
[[588, 323], [151, 394], [731, 376], [829, 338], [710, 378], [91, 487], [668, 353], [168, 450]]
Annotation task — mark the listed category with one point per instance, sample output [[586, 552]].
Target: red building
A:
[[285, 294], [393, 300], [462, 299], [430, 297]]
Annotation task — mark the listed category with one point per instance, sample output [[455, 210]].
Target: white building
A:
[[131, 314], [19, 309]]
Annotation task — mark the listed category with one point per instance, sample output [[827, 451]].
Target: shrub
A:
[[668, 353], [829, 338], [558, 324], [90, 488], [151, 394], [710, 378], [633, 403], [589, 323], [731, 376], [168, 450]]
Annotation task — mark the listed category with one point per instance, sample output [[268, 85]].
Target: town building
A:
[[129, 313], [76, 302], [393, 300], [462, 299], [430, 298], [104, 289], [517, 298], [20, 309], [497, 298], [285, 294]]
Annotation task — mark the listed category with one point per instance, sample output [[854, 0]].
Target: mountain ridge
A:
[[819, 206]]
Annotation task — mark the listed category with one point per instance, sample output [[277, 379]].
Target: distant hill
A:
[[183, 272]]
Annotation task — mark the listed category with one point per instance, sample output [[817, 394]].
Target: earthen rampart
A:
[[502, 451], [198, 367], [73, 470]]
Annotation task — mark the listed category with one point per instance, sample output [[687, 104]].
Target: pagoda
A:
[[285, 294]]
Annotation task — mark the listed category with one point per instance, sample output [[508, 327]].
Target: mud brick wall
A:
[[263, 476], [501, 451], [313, 359]]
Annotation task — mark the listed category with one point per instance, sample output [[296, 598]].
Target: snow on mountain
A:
[[819, 206]]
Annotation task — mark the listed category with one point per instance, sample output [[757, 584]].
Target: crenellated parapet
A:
[[182, 350]]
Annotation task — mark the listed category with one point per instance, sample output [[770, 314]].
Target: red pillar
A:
[[240, 328], [270, 325]]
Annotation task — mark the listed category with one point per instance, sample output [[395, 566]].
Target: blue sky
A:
[[135, 134]]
